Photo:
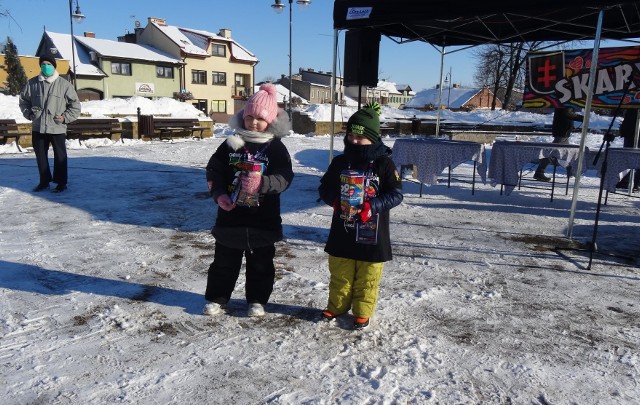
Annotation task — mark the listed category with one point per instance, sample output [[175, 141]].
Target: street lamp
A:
[[278, 7], [78, 17], [447, 79]]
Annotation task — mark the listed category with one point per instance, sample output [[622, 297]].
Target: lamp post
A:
[[78, 17], [447, 79], [278, 7]]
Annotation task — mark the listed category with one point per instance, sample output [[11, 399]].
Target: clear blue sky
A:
[[254, 25]]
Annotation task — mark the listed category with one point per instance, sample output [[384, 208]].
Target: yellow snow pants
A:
[[354, 285]]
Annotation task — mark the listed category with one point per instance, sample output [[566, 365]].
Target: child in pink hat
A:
[[242, 228]]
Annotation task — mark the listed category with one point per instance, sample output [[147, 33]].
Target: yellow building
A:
[[31, 68], [218, 75]]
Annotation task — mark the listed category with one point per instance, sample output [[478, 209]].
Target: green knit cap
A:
[[366, 122]]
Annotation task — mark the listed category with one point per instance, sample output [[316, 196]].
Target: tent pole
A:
[[333, 93], [440, 91], [632, 173], [585, 122]]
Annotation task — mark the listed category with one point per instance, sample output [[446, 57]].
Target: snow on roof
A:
[[125, 50], [241, 53], [197, 40], [403, 87], [105, 48], [283, 94], [202, 37], [388, 86], [179, 38], [83, 65], [456, 99]]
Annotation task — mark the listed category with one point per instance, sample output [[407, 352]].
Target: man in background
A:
[[50, 103], [561, 129]]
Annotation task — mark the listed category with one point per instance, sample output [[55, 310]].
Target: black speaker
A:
[[361, 54]]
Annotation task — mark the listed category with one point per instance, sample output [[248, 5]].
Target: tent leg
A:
[[585, 121], [473, 182], [603, 174]]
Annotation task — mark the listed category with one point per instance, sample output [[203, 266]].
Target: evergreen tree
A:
[[16, 77]]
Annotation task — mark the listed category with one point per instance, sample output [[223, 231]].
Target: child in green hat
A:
[[358, 245]]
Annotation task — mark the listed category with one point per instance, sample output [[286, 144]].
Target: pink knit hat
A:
[[263, 104]]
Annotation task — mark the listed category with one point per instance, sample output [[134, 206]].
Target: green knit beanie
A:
[[366, 122]]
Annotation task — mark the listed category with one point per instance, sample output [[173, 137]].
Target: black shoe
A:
[[59, 188], [40, 187], [360, 323], [541, 177]]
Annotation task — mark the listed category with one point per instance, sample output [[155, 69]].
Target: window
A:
[[218, 78], [218, 50], [163, 71], [120, 68], [239, 80], [218, 106], [198, 77]]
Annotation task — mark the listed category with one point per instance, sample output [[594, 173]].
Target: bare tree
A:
[[503, 66]]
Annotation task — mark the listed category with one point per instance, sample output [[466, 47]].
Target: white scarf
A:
[[242, 135], [49, 79]]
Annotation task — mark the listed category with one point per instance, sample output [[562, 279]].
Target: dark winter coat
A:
[[562, 124], [251, 227], [342, 237], [628, 127], [44, 98]]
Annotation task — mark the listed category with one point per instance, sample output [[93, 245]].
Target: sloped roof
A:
[[126, 50], [202, 37], [62, 42], [104, 48], [388, 86], [282, 93], [456, 99], [179, 38], [196, 42], [403, 87]]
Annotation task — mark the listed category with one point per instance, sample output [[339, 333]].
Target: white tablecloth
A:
[[508, 157], [432, 156], [619, 162]]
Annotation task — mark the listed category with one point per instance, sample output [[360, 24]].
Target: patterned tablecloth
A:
[[432, 156], [619, 162], [508, 157]]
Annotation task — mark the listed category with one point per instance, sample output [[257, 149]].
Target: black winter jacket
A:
[[342, 236], [250, 227]]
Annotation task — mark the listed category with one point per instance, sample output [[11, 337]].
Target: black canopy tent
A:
[[471, 22]]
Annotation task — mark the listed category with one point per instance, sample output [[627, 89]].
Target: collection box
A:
[[238, 196], [351, 193]]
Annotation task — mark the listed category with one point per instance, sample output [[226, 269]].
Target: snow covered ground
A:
[[485, 302]]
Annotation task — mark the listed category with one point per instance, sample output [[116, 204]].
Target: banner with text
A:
[[561, 78]]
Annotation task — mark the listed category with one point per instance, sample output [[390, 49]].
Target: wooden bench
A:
[[167, 128], [85, 128], [9, 129]]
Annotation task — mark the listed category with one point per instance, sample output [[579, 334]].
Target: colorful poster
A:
[[561, 78]]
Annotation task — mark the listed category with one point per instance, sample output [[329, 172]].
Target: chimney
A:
[[89, 34], [159, 21], [225, 33]]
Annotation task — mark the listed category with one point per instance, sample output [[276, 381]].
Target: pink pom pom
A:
[[263, 104], [269, 88]]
